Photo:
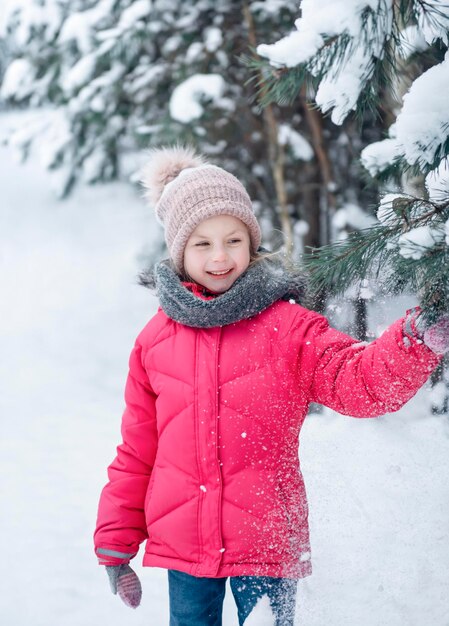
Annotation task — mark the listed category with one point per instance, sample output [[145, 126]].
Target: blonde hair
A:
[[277, 255]]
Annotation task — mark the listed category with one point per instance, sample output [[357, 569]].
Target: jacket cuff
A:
[[113, 557], [412, 328]]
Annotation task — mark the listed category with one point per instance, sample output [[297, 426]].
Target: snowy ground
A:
[[69, 313]]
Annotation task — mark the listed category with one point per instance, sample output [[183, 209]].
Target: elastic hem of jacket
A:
[[113, 557], [277, 570]]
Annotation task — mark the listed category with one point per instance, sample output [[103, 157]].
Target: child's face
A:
[[217, 252]]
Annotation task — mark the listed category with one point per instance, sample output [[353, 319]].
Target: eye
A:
[[202, 243], [235, 240]]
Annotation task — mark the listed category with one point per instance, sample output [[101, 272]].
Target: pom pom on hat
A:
[[185, 190], [163, 166]]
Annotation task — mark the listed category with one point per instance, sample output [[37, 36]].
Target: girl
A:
[[219, 384]]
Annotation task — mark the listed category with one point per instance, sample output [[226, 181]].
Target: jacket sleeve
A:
[[121, 526], [365, 379]]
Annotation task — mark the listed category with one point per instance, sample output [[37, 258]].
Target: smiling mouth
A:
[[221, 273]]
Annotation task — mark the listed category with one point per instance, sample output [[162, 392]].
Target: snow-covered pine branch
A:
[[353, 48], [420, 136], [391, 55], [115, 70]]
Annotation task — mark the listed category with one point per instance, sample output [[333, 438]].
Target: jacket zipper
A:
[[217, 428], [198, 460]]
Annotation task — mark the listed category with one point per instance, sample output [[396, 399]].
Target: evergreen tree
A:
[[115, 76], [354, 56], [120, 75], [390, 57]]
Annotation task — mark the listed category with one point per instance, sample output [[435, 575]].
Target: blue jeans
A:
[[196, 601]]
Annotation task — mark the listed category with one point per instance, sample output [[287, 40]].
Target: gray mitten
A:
[[126, 583]]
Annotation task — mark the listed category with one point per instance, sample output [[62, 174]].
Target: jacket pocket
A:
[[148, 493]]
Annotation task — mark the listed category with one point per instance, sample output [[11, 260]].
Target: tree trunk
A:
[[326, 205], [360, 319], [275, 151], [328, 202]]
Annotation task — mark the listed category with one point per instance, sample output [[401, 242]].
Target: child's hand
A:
[[124, 580], [436, 337]]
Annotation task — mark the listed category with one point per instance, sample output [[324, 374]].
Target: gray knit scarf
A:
[[263, 283]]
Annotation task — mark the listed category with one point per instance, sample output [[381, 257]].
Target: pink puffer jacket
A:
[[208, 470]]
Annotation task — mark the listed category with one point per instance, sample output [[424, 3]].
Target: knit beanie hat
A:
[[185, 190]]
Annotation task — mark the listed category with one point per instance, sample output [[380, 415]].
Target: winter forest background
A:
[[334, 115]]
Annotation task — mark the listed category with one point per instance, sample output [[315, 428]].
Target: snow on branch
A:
[[186, 100], [422, 126], [421, 132], [351, 47], [338, 42], [433, 20]]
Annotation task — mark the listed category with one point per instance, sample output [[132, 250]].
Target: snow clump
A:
[[300, 147], [385, 213], [185, 102], [419, 241], [261, 615]]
